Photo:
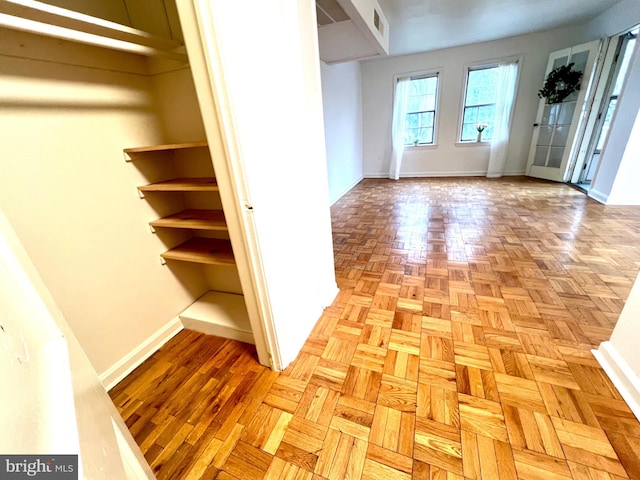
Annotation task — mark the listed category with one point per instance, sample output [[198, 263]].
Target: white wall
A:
[[342, 106], [71, 197], [615, 182], [620, 356], [281, 150], [617, 19], [447, 157]]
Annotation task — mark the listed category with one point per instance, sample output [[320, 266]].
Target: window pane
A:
[[410, 136], [485, 114], [422, 94], [425, 135], [470, 115], [411, 121], [469, 132], [481, 86], [607, 122], [420, 118], [479, 106], [425, 119], [624, 65]]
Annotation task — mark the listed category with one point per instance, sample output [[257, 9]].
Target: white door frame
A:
[[199, 30], [603, 70]]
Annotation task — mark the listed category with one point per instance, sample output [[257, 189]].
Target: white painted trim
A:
[[598, 196], [429, 174], [345, 190], [112, 376], [512, 173], [621, 374], [623, 200]]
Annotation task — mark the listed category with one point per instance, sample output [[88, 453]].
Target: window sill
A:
[[474, 144], [420, 147]]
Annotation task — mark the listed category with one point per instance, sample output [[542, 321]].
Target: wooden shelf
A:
[[196, 219], [43, 19], [206, 184], [161, 148], [221, 314], [210, 251]]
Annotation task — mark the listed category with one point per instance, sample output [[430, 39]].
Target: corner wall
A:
[[342, 107], [620, 356], [447, 157], [66, 114]]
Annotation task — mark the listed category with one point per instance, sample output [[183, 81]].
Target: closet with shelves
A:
[[82, 87], [179, 185], [183, 176]]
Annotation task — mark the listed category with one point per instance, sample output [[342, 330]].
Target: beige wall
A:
[[72, 198], [176, 100]]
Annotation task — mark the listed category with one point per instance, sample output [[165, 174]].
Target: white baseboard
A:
[[624, 200], [429, 174], [111, 377], [345, 190], [597, 196], [621, 374], [514, 173]]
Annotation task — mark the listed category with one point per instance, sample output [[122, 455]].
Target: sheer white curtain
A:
[[507, 74], [400, 101]]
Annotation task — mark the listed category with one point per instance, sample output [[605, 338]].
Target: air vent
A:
[[376, 22]]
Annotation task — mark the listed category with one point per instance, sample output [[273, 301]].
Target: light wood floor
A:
[[458, 348]]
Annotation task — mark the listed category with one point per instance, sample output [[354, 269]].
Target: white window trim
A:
[[494, 62], [415, 75]]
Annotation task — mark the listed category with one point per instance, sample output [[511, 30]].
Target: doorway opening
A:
[[614, 72]]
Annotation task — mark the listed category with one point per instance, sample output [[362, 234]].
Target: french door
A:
[[558, 126]]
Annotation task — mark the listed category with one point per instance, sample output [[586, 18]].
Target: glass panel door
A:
[[557, 124]]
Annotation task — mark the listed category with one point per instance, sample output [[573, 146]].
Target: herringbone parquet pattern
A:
[[458, 348]]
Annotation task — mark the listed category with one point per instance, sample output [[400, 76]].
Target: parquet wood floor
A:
[[458, 349]]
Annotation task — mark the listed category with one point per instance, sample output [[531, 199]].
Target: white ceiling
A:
[[421, 25]]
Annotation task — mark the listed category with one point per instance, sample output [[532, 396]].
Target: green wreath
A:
[[560, 83]]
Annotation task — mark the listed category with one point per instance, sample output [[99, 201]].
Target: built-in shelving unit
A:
[[215, 312]]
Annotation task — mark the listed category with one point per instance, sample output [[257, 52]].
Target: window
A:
[[479, 103], [421, 110]]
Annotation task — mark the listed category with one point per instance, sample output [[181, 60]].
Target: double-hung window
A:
[[420, 118], [479, 103]]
